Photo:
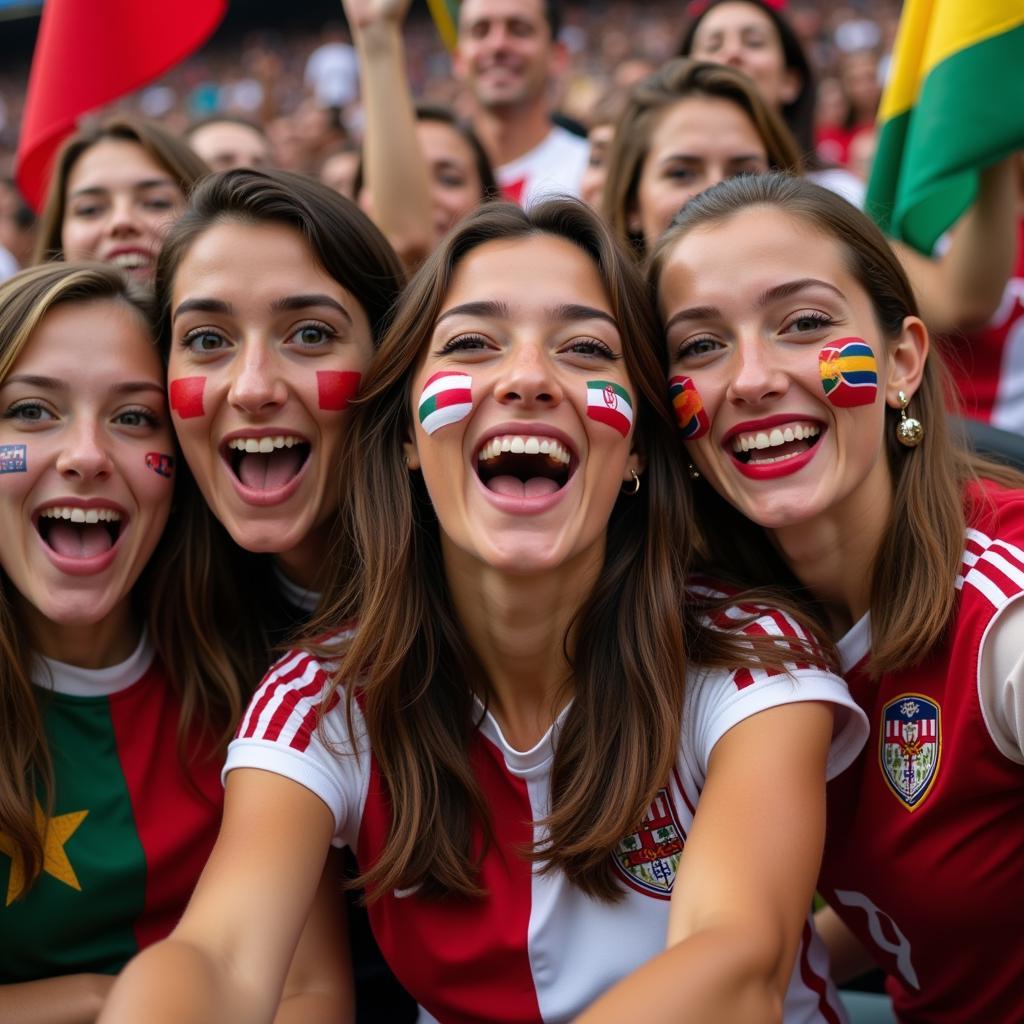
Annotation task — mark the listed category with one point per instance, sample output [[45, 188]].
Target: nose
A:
[[256, 387], [527, 379], [84, 456], [756, 376], [123, 220]]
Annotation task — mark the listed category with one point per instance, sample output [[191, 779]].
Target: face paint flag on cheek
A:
[[849, 372], [447, 398], [335, 388], [160, 463], [690, 415], [187, 396], [609, 403], [13, 458]]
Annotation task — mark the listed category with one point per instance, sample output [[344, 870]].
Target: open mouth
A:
[[267, 463], [521, 466], [79, 532], [764, 447]]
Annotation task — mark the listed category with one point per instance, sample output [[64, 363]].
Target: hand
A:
[[362, 14]]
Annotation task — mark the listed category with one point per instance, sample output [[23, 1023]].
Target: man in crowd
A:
[[507, 54]]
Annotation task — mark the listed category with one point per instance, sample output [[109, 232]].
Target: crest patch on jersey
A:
[[647, 858], [910, 740]]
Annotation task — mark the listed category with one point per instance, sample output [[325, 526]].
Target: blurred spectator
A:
[[228, 142], [17, 223], [332, 71], [339, 171]]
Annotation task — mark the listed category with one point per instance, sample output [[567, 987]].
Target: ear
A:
[[637, 461], [791, 86], [633, 224], [410, 451], [906, 359]]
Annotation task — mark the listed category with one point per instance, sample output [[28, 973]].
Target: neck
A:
[[508, 134], [518, 626], [90, 645], [834, 554], [304, 565]]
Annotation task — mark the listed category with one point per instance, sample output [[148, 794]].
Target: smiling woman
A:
[[109, 797], [515, 535]]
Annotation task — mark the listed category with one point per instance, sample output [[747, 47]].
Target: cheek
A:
[[447, 398], [335, 388], [691, 416], [611, 404], [160, 463], [13, 458], [186, 396], [849, 373]]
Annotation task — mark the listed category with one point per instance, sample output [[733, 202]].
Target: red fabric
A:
[[88, 54]]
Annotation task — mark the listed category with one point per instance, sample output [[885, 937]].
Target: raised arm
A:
[[745, 880], [394, 169], [228, 957], [963, 287]]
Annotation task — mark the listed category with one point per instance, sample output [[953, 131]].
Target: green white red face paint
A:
[[161, 464], [13, 458], [690, 415], [849, 373], [187, 396], [447, 397], [609, 403], [336, 388]]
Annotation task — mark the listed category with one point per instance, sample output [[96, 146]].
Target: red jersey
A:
[[924, 854]]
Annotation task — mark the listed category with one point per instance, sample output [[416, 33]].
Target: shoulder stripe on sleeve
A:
[[304, 732], [279, 674], [994, 568], [814, 981], [266, 720]]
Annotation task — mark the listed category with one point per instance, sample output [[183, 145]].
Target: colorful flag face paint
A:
[[13, 458], [609, 403], [447, 398], [160, 463], [849, 372], [187, 396], [336, 387], [690, 414]]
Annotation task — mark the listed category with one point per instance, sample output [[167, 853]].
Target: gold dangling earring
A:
[[693, 471], [635, 489], [909, 431]]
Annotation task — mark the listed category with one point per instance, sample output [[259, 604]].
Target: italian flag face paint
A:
[[447, 398], [609, 403]]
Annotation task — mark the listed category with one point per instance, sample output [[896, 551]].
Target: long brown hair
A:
[[174, 155], [209, 699], [210, 575], [416, 676], [677, 80], [912, 593]]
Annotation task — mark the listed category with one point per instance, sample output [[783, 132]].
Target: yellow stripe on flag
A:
[[855, 364], [930, 32], [446, 27]]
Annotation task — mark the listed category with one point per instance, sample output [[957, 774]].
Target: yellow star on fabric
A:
[[55, 861]]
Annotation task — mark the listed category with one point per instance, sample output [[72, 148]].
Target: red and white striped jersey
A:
[[537, 949], [924, 856]]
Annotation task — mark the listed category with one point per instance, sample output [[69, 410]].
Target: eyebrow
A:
[[781, 291], [55, 384], [102, 190], [285, 305], [569, 311]]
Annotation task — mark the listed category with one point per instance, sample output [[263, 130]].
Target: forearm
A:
[[848, 959], [314, 1008], [69, 999], [713, 977], [176, 982], [394, 169]]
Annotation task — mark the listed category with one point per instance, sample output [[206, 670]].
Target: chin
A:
[[267, 538]]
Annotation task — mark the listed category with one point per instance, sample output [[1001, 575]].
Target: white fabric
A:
[[553, 168], [332, 72], [1001, 681], [842, 182], [61, 677]]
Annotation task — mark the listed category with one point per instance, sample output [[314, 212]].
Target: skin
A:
[[592, 184], [455, 186], [752, 359], [225, 145], [120, 205], [260, 360], [86, 399], [339, 172], [695, 143], [743, 36]]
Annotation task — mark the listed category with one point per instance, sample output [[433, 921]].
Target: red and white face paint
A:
[[447, 397]]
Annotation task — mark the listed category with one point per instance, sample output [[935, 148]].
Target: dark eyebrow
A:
[[294, 302], [100, 190], [694, 313], [496, 310], [576, 311], [781, 291], [201, 306], [484, 308], [54, 384]]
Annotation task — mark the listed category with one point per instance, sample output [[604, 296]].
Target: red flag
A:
[[88, 54]]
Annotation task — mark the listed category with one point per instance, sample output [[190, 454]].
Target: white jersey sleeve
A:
[[718, 699], [1001, 681], [292, 728]]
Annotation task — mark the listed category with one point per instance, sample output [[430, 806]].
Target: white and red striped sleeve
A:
[[718, 699], [281, 732]]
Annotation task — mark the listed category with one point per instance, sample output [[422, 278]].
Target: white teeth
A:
[[129, 260], [773, 438], [761, 441], [81, 515], [528, 445], [776, 438], [263, 445], [788, 435]]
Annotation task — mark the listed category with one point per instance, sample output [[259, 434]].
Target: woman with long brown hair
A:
[[816, 419], [515, 722]]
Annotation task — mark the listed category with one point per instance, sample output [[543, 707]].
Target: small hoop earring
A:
[[635, 489], [693, 471], [909, 431]]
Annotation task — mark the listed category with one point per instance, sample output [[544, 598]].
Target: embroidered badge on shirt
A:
[[647, 858], [910, 744]]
